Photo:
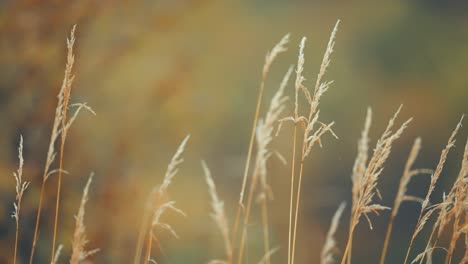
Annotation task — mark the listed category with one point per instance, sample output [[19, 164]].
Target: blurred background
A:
[[155, 71]]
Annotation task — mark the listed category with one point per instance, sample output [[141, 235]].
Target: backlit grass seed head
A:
[[172, 168], [279, 48], [218, 213], [265, 129], [21, 185], [79, 253], [443, 157], [408, 174], [365, 176], [158, 192], [330, 247]]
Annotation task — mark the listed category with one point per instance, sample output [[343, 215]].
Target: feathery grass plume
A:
[[297, 86], [59, 126], [279, 48], [330, 248], [460, 205], [448, 207], [401, 196], [313, 135], [218, 214], [444, 209], [264, 138], [21, 186], [79, 253], [452, 207], [157, 205], [366, 174], [57, 254], [65, 123], [423, 214], [265, 130]]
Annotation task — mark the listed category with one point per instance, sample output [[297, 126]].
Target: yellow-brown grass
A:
[[452, 211]]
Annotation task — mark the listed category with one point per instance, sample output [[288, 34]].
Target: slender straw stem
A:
[[429, 243], [387, 237], [453, 241], [141, 235], [57, 203], [149, 243], [38, 217], [247, 166], [234, 232], [409, 249], [293, 164], [299, 185], [412, 239], [253, 185], [266, 233], [17, 233], [347, 251]]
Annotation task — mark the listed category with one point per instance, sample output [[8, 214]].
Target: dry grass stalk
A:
[[218, 214], [264, 138], [279, 48], [460, 205], [65, 123], [450, 208], [60, 126], [264, 135], [424, 216], [67, 83], [330, 248], [447, 208], [313, 135], [297, 87], [366, 174], [401, 196], [79, 253], [157, 205], [21, 186], [465, 257], [51, 150], [57, 254]]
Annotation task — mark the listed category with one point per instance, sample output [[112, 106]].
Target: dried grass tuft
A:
[[279, 48], [218, 214], [20, 187], [263, 129], [60, 127], [366, 173], [330, 247], [157, 205], [79, 253], [426, 211], [312, 134], [401, 196]]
